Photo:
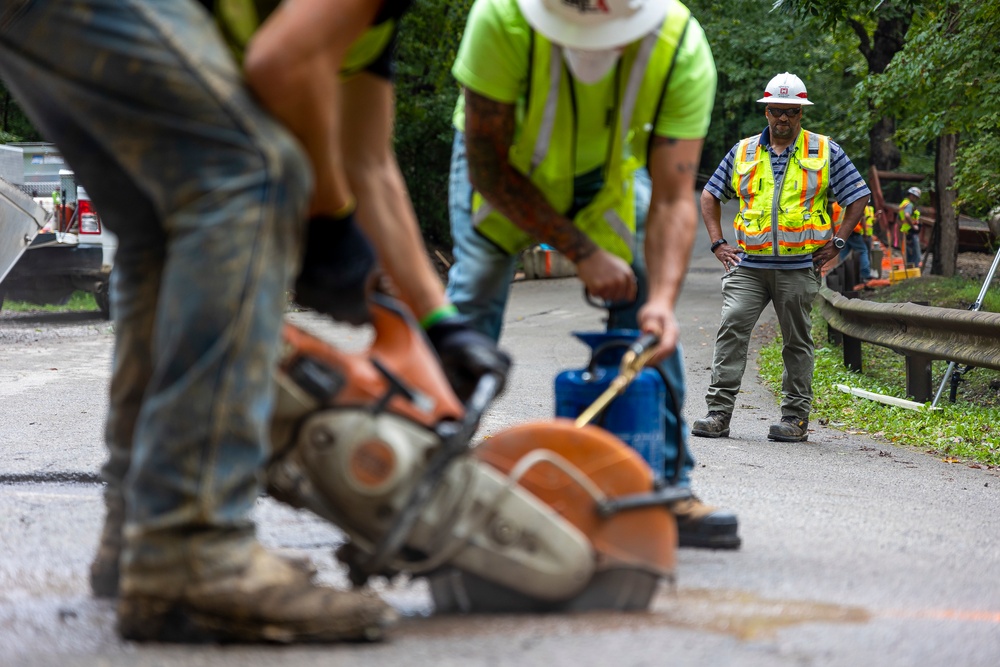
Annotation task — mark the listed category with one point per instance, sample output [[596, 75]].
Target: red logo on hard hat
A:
[[783, 91]]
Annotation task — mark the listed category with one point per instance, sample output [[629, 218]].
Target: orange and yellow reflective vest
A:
[[789, 217]]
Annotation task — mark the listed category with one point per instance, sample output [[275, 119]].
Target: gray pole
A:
[[976, 306]]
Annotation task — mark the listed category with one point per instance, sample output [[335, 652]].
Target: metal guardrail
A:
[[921, 333]]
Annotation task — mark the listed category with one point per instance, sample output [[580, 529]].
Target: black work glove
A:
[[466, 355], [337, 269]]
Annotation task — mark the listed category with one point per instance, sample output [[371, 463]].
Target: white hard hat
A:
[[786, 88], [915, 191], [593, 25]]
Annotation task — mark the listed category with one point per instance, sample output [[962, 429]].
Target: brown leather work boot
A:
[[105, 571], [271, 600], [789, 429], [714, 425], [704, 526]]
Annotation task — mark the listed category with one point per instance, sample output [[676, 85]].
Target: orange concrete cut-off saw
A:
[[544, 516]]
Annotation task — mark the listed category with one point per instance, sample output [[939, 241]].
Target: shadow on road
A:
[[18, 318]]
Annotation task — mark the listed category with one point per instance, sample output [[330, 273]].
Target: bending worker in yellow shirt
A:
[[564, 112]]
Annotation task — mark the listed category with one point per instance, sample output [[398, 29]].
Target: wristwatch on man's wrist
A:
[[717, 244], [839, 243]]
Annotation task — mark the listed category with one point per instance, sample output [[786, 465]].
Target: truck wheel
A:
[[103, 300]]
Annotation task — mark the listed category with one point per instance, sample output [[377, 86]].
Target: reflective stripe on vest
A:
[[545, 146], [796, 207]]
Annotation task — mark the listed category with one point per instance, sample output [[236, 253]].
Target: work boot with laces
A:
[[715, 425], [704, 526], [270, 600], [789, 429]]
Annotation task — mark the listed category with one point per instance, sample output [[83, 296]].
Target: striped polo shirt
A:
[[846, 186]]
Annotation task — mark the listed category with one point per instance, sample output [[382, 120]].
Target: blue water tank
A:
[[637, 416]]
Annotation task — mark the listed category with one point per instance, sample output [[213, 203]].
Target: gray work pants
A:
[[746, 292]]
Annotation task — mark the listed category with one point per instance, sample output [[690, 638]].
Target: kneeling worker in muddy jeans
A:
[[208, 196], [783, 178]]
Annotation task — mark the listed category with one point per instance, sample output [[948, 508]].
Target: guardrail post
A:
[[852, 353], [852, 269], [918, 378], [834, 281]]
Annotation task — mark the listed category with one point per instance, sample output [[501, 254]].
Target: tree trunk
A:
[[946, 252], [884, 154], [878, 49]]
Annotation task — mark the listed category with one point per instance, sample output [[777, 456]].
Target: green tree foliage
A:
[[14, 125], [425, 99], [880, 27], [946, 81], [751, 43], [833, 12]]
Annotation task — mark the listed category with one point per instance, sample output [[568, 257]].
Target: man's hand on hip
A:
[[824, 255], [728, 255]]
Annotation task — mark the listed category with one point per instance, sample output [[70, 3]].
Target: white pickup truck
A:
[[51, 249]]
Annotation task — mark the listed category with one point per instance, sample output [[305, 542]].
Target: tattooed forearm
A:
[[489, 132], [683, 167]]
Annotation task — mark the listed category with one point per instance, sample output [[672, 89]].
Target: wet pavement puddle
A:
[[747, 615], [742, 614]]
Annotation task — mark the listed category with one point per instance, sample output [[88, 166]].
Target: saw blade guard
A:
[[576, 471]]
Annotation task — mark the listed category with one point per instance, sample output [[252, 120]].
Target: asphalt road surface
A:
[[855, 552]]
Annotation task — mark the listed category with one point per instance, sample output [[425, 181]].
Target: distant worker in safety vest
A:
[[579, 117], [857, 241], [868, 224], [783, 178], [909, 225]]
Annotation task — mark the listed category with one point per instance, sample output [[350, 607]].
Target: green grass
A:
[[78, 302], [967, 430], [953, 292]]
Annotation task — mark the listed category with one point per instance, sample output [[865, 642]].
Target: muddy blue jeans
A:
[[856, 242], [913, 254], [479, 285], [206, 194]]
